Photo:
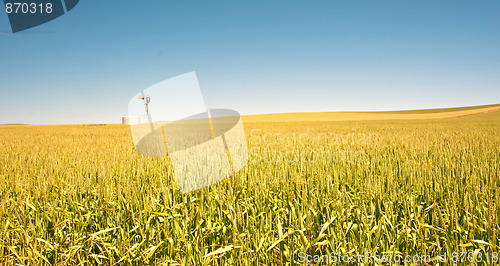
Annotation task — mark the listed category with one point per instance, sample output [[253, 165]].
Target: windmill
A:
[[147, 100]]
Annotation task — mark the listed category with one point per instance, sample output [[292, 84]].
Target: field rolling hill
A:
[[385, 115]]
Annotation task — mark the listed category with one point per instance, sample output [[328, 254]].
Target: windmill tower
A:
[[147, 100]]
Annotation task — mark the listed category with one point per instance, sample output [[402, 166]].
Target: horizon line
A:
[[277, 113]]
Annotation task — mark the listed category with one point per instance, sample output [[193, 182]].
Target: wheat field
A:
[[404, 183]]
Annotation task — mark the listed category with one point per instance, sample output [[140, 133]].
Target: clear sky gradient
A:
[[253, 56]]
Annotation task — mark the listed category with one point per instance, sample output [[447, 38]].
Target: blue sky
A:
[[253, 56]]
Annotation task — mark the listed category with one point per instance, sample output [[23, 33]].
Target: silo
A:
[[131, 120]]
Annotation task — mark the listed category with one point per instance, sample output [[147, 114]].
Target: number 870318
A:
[[28, 8]]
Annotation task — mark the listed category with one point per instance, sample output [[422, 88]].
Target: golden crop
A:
[[82, 195]]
